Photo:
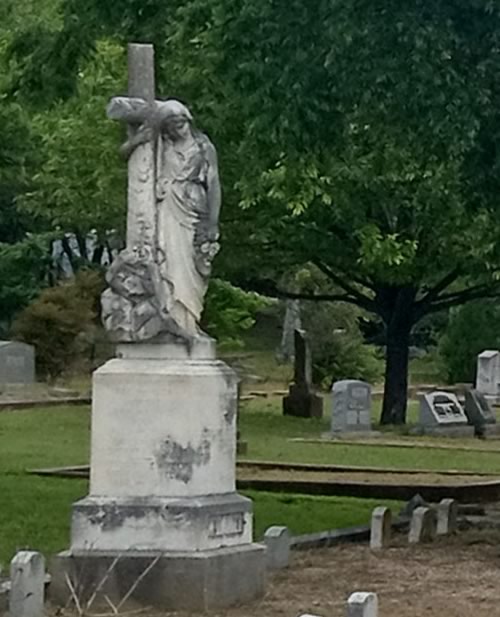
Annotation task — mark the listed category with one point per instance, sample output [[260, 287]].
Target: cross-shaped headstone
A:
[[136, 109]]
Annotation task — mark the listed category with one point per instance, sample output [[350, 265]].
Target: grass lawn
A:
[[35, 511]]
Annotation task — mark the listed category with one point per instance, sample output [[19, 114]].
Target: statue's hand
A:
[[143, 136], [213, 233]]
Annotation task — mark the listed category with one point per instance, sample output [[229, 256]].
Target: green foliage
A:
[[80, 183], [229, 312], [337, 345], [58, 322], [471, 329], [23, 270]]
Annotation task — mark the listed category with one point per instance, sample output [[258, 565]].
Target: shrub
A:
[[59, 321], [337, 345], [229, 312]]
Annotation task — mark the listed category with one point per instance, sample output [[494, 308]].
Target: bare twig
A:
[[113, 607], [101, 582], [136, 583], [73, 594]]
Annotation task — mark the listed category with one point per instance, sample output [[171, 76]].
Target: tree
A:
[[357, 136]]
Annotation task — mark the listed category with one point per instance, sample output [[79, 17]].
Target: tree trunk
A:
[[397, 310], [396, 373]]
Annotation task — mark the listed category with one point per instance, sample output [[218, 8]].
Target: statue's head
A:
[[174, 119]]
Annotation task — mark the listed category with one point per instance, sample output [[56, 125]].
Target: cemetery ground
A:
[[410, 581]]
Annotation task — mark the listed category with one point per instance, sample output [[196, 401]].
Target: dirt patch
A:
[[282, 475], [449, 577]]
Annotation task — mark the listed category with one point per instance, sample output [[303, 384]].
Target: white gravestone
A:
[[162, 491], [27, 576], [442, 413], [447, 513], [277, 541], [362, 604], [380, 532], [17, 363], [488, 373], [352, 402], [423, 526]]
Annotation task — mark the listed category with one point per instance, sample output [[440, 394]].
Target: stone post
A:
[[422, 526], [277, 541], [27, 575], [361, 604], [380, 534], [447, 512]]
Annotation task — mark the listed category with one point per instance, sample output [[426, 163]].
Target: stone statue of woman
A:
[[160, 289]]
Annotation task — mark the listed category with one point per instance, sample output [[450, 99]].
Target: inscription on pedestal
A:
[[226, 525]]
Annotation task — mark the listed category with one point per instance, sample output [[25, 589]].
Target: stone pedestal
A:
[[162, 485]]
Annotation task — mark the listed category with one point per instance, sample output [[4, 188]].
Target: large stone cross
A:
[[136, 109]]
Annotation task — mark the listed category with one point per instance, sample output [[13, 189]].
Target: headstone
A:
[[380, 533], [447, 512], [417, 501], [480, 413], [27, 576], [442, 413], [302, 401], [17, 363], [352, 406], [277, 541], [162, 494], [488, 373], [422, 526], [362, 604]]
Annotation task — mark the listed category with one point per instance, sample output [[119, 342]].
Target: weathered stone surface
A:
[[163, 428], [380, 533], [351, 412], [441, 410], [422, 526], [17, 363], [447, 513], [27, 575], [192, 580], [361, 604], [277, 541]]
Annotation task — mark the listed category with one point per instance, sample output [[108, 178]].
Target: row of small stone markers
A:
[[360, 604], [426, 523]]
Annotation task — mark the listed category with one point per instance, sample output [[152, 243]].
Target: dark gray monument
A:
[[17, 362], [480, 413], [442, 413], [302, 402]]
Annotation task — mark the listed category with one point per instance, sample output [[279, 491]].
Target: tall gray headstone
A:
[[352, 403], [27, 576], [488, 373], [302, 401], [17, 363]]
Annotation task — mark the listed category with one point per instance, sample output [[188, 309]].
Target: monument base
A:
[[488, 431], [161, 523], [302, 403], [353, 435], [197, 581], [444, 431]]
